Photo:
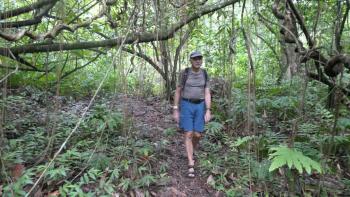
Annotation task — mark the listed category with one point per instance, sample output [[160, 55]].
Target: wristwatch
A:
[[175, 107]]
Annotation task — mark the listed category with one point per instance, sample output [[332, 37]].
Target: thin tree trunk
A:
[[251, 89], [231, 72], [165, 63], [251, 86], [3, 112]]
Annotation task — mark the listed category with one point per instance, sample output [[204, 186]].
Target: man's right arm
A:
[[176, 113], [178, 91], [177, 96]]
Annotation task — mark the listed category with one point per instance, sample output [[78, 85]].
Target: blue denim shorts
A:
[[192, 116]]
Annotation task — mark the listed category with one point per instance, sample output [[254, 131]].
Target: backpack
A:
[[185, 76]]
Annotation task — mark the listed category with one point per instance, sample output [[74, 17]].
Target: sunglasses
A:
[[197, 58]]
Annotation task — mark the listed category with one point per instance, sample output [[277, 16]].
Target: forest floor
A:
[[151, 117], [145, 124]]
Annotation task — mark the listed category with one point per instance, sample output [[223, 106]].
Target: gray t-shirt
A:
[[194, 87]]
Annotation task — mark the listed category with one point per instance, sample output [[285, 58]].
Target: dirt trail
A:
[[151, 118]]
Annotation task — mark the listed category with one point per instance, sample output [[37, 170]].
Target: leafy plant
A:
[[241, 141], [343, 123], [260, 170], [214, 130], [292, 158], [17, 188], [125, 184], [169, 132], [147, 180]]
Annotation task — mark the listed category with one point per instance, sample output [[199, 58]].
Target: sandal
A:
[[191, 171]]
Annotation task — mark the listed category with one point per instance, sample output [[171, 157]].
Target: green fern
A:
[[214, 127], [214, 130], [285, 156], [343, 123], [242, 141]]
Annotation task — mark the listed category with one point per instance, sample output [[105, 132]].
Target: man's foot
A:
[[191, 171]]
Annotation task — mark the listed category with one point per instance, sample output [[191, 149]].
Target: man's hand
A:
[[207, 116], [176, 115]]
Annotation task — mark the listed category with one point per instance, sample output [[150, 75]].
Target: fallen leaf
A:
[[215, 171], [38, 193], [338, 166], [53, 194], [17, 171], [219, 194], [232, 177], [177, 192], [280, 170], [210, 180], [116, 195], [139, 193], [153, 193]]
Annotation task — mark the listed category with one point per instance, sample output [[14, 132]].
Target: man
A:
[[193, 95]]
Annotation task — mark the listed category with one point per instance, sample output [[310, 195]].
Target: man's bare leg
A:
[[189, 147], [195, 140]]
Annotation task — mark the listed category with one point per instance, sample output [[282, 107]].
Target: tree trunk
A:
[[166, 67], [290, 60], [3, 112]]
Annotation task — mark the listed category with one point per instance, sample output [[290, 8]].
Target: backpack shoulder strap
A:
[[184, 77], [205, 77]]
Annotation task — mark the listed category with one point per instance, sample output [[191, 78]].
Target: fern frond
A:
[[292, 158]]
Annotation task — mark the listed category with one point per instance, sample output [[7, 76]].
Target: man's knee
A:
[[188, 135], [197, 135]]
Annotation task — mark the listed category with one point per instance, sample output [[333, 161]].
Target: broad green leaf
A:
[[276, 164], [282, 155]]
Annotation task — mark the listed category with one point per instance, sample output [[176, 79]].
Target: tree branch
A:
[[147, 59], [80, 67], [316, 19], [183, 40], [339, 30], [264, 20], [36, 20], [320, 78], [275, 10], [313, 54], [23, 61], [140, 38], [19, 11], [13, 37], [21, 69], [83, 12], [301, 23], [327, 82], [271, 47], [55, 30]]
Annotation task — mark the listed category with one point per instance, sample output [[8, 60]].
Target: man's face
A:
[[196, 61]]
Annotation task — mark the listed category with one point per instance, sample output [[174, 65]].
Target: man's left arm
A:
[[207, 97]]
